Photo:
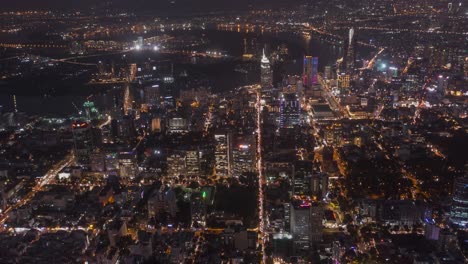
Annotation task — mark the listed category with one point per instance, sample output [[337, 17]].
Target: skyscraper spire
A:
[[265, 72], [128, 100], [349, 57], [264, 57], [351, 36]]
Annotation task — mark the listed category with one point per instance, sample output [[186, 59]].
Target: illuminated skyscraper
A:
[[177, 125], [343, 82], [127, 131], [152, 94], [459, 210], [128, 166], [265, 72], [90, 110], [128, 100], [442, 84], [192, 163], [198, 208], [316, 227], [334, 134], [310, 71], [465, 68], [319, 185], [300, 226], [303, 171], [223, 154], [83, 143], [299, 89], [306, 224], [243, 156], [349, 56], [289, 110], [176, 164]]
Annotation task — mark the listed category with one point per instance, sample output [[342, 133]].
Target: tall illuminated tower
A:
[[83, 144], [310, 70], [265, 72], [128, 100], [223, 153], [289, 110], [459, 210], [349, 56]]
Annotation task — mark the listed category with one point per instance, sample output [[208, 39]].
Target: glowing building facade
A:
[[459, 210], [310, 71], [289, 110], [265, 72]]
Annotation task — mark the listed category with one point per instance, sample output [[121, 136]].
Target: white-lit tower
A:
[[265, 72]]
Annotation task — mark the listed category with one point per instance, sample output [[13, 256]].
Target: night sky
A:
[[156, 6]]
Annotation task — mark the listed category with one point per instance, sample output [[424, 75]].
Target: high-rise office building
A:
[[90, 110], [128, 100], [301, 178], [465, 68], [152, 94], [459, 210], [306, 224], [265, 72], [178, 125], [294, 84], [411, 83], [334, 134], [192, 163], [289, 110], [126, 126], [176, 164], [316, 222], [243, 157], [287, 216], [310, 71], [349, 56], [442, 84], [83, 143], [344, 82], [300, 225], [183, 163], [299, 89], [319, 185], [156, 124], [328, 72], [128, 166], [198, 208], [162, 200], [97, 161], [223, 158], [115, 128]]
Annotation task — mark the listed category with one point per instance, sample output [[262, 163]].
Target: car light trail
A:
[[261, 214]]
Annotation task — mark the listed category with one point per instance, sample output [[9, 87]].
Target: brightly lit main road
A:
[[261, 214], [48, 178]]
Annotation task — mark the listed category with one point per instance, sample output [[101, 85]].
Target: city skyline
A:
[[207, 131]]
